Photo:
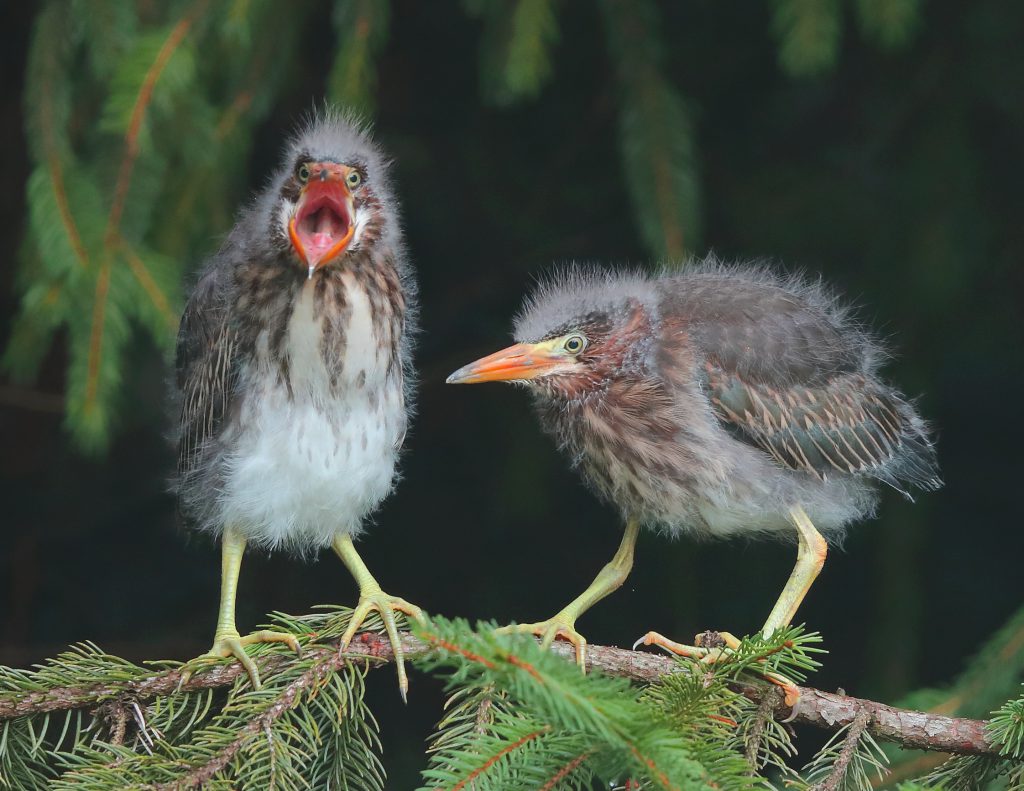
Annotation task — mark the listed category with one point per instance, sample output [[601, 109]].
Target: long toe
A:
[[550, 630], [266, 636], [717, 647], [228, 646], [790, 691], [679, 649], [386, 605]]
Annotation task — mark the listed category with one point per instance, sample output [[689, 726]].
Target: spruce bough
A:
[[518, 716]]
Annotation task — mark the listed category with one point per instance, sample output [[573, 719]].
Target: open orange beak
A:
[[518, 362], [324, 220]]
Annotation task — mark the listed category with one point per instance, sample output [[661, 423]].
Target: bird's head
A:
[[333, 197], [577, 334]]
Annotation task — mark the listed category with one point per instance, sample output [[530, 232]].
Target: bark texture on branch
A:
[[828, 710]]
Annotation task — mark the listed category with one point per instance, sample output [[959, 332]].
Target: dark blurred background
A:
[[892, 168]]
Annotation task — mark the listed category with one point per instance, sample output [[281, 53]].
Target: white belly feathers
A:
[[315, 462]]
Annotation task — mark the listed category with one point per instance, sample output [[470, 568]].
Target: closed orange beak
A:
[[521, 361]]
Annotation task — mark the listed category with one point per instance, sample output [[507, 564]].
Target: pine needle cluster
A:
[[520, 717], [523, 718], [122, 203], [307, 727]]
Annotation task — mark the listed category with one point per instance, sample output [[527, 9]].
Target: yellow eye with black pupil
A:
[[303, 173], [353, 179], [574, 344]]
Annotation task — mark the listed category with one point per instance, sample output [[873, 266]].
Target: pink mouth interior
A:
[[322, 222]]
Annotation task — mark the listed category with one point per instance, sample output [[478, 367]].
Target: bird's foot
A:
[[230, 644], [714, 648], [562, 625], [386, 605]]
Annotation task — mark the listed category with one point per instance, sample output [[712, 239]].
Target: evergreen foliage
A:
[[361, 27], [655, 133], [518, 717], [515, 58], [118, 199], [809, 32], [545, 725], [308, 727]]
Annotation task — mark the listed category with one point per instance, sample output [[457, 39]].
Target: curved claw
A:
[[551, 629], [231, 644], [386, 605]]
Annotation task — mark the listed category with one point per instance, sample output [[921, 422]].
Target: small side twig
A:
[[764, 712], [328, 661], [113, 715], [484, 716], [842, 764]]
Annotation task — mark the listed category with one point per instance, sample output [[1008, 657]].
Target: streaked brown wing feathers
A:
[[206, 361], [844, 425]]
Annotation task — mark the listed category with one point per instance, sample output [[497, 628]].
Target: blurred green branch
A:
[[140, 120]]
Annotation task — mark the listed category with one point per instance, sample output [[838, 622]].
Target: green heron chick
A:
[[293, 365], [717, 401]]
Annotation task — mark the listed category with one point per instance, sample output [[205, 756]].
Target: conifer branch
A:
[[753, 747], [51, 148], [656, 132], [56, 171], [290, 697], [142, 101], [229, 118], [149, 285], [830, 711], [99, 309], [570, 766]]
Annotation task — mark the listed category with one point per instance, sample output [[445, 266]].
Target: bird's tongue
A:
[[327, 228]]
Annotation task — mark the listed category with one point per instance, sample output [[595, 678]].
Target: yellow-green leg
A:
[[371, 597], [226, 641], [608, 579], [810, 558]]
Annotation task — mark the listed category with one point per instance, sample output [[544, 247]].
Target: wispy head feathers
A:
[[338, 135], [566, 296]]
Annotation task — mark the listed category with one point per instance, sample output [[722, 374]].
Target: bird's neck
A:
[[626, 407]]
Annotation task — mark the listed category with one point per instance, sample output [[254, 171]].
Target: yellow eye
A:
[[574, 344], [302, 173], [353, 179]]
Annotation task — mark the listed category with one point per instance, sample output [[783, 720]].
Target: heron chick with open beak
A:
[[293, 365]]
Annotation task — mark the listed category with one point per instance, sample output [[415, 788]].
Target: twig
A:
[[764, 711], [830, 711], [327, 662], [850, 742]]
